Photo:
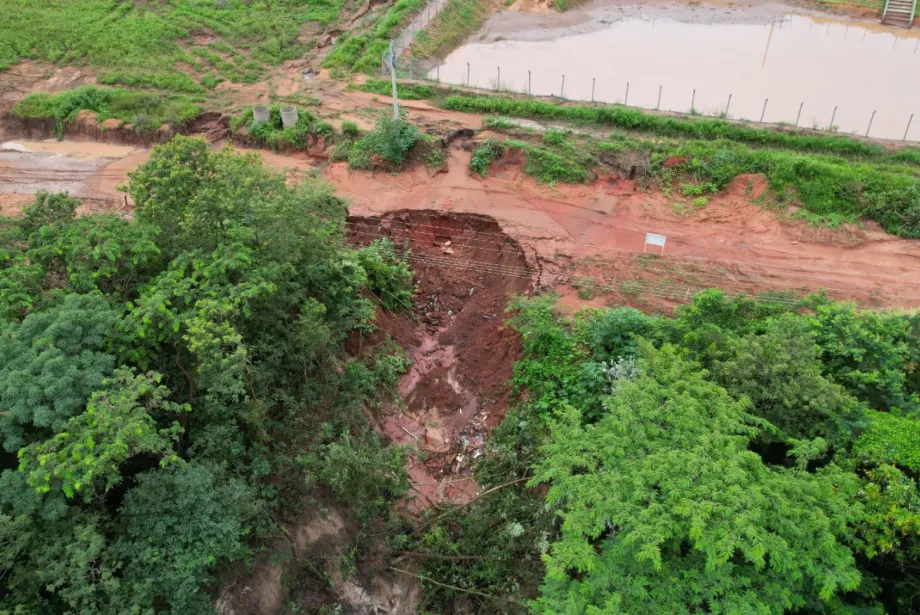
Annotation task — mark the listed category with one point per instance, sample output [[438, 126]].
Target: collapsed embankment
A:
[[456, 389]]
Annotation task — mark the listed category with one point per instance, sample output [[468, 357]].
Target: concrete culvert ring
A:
[[457, 388]]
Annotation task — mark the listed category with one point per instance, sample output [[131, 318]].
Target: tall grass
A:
[[685, 128], [145, 111]]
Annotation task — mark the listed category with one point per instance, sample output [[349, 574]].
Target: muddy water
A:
[[785, 60]]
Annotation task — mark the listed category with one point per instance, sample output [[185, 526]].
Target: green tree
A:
[[177, 524], [50, 364], [118, 423], [101, 252], [665, 510], [780, 372]]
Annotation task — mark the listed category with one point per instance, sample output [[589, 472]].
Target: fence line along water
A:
[[768, 105]]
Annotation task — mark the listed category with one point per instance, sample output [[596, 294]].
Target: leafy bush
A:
[[388, 274], [391, 140], [488, 151]]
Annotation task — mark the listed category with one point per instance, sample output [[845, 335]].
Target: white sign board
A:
[[651, 239]]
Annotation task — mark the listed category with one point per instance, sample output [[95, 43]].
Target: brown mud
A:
[[456, 390]]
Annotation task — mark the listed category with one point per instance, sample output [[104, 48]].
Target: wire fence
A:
[[492, 78]]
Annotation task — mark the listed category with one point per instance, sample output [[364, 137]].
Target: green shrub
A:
[[391, 139], [488, 151], [388, 274], [350, 129]]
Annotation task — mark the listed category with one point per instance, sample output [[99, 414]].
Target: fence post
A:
[[833, 115], [626, 100], [728, 105], [410, 69], [798, 117], [528, 83], [562, 89], [870, 123], [658, 106], [438, 73], [908, 126], [467, 74], [764, 112], [592, 88], [693, 102], [498, 79]]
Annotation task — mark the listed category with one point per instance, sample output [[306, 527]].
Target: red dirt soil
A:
[[457, 387]]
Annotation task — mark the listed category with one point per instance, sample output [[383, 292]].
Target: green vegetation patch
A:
[[139, 44], [363, 52], [274, 135], [557, 161], [145, 111], [681, 459], [405, 91], [453, 24], [390, 142], [698, 128]]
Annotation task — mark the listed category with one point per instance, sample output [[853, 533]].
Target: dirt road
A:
[[566, 231]]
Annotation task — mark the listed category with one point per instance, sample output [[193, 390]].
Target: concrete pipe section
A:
[[289, 116], [260, 114]]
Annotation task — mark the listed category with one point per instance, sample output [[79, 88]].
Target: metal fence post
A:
[[562, 89], [833, 115], [908, 126], [592, 88], [410, 69], [693, 102], [658, 106], [764, 112], [728, 105], [870, 123], [498, 79], [626, 100], [797, 117], [528, 83], [438, 73], [467, 74]]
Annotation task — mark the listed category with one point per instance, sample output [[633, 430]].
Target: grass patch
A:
[[274, 135], [362, 53], [558, 163], [831, 190], [454, 23], [145, 111], [708, 129], [405, 91], [138, 44]]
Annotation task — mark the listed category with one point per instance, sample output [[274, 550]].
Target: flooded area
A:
[[751, 62]]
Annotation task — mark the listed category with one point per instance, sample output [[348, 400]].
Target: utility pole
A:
[[393, 80]]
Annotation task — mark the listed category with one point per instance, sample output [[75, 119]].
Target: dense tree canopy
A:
[[157, 373], [744, 456]]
